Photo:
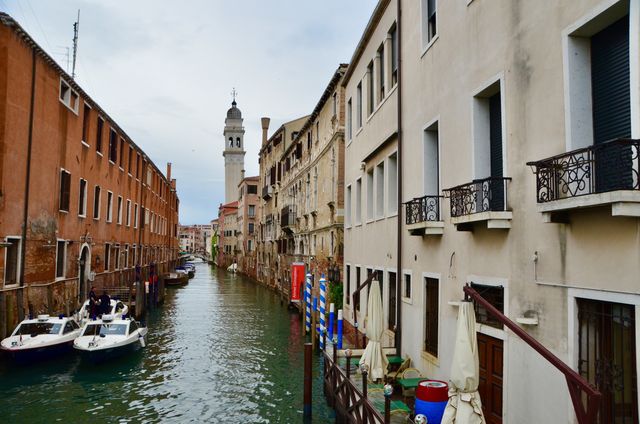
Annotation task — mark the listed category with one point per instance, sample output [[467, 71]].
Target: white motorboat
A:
[[41, 338], [109, 337], [118, 309]]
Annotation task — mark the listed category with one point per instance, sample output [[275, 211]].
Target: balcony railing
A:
[[422, 209], [287, 217], [600, 168], [267, 192], [484, 195]]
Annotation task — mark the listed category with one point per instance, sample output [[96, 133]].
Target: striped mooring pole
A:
[[307, 297], [340, 328], [323, 302]]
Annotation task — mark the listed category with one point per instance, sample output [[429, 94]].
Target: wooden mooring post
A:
[[307, 381]]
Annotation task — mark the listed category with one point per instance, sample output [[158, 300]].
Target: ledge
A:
[[623, 203], [426, 228], [494, 220]]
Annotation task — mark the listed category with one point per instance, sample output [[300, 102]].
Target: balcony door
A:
[[610, 91], [496, 187]]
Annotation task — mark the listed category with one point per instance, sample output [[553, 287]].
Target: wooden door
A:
[[490, 353]]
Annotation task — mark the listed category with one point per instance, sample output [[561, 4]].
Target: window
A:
[[358, 212], [495, 296], [347, 289], [12, 262], [99, 128], [394, 55], [119, 211], [251, 227], [391, 319], [380, 190], [335, 104], [347, 206], [107, 256], [358, 285], [252, 210], [116, 256], [249, 245], [86, 114], [431, 316], [96, 202], [135, 216], [349, 120], [429, 29], [121, 153], [407, 286], [431, 168], [130, 162], [359, 104], [125, 263], [381, 73], [128, 213], [392, 184], [138, 166], [65, 190], [370, 194], [68, 96], [252, 189], [370, 89], [61, 258], [113, 146], [109, 206], [82, 198]]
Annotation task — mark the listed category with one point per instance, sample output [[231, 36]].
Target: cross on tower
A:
[[234, 93]]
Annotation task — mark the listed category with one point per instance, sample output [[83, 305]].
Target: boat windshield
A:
[[106, 329], [36, 328]]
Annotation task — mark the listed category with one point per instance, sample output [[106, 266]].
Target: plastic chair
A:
[[410, 373]]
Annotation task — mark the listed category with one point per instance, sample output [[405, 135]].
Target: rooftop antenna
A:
[[76, 27]]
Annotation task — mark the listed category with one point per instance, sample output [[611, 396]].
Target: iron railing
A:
[[600, 168], [422, 209], [288, 217], [483, 195]]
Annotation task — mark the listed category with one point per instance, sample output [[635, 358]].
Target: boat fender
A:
[[141, 339]]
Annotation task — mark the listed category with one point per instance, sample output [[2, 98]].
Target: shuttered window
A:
[[65, 190], [431, 316]]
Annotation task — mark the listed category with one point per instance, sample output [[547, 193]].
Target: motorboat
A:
[[233, 268], [178, 278], [110, 337], [118, 309], [41, 338], [188, 269]]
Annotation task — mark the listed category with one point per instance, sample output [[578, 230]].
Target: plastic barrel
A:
[[431, 399]]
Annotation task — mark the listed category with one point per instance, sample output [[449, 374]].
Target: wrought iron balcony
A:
[[287, 218], [423, 216], [606, 173], [267, 192], [480, 200], [595, 169]]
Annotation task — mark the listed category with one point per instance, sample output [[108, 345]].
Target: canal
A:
[[222, 350]]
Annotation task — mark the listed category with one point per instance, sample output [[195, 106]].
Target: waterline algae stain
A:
[[220, 350]]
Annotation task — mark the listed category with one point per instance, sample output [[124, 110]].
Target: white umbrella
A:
[[464, 406], [373, 356]]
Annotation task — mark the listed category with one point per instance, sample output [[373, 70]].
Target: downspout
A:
[[25, 212], [399, 275]]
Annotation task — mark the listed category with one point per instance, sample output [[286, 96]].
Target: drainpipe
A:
[[399, 275], [25, 213]]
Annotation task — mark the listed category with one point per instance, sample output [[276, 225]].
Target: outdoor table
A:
[[410, 383], [395, 360]]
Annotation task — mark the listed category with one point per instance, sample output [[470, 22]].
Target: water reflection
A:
[[221, 349]]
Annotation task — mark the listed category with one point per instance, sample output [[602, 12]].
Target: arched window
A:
[[230, 141], [237, 141]]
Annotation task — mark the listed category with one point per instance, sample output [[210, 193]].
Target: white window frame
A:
[[128, 213], [66, 100], [82, 196], [379, 207], [18, 263], [424, 25], [119, 211], [135, 215], [97, 216], [408, 300], [436, 276], [64, 260], [392, 186], [347, 207], [109, 206]]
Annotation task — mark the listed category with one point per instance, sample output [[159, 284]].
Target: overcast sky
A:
[[164, 70]]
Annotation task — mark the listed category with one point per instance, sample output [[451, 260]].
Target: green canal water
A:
[[220, 350]]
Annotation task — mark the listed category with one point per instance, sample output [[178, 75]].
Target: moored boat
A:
[[108, 338], [41, 338], [117, 308], [176, 279]]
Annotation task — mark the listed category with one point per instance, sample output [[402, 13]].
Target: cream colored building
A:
[[271, 166], [487, 87], [311, 190]]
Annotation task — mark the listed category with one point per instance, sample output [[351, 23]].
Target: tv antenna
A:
[[76, 28]]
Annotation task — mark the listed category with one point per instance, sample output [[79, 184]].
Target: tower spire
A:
[[234, 93]]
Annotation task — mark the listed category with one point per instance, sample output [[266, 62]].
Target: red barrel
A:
[[432, 391]]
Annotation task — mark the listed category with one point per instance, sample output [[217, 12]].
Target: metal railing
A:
[[287, 217], [600, 168], [483, 195], [267, 191], [422, 209]]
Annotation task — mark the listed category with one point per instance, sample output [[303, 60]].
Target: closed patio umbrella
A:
[[373, 355], [464, 406]]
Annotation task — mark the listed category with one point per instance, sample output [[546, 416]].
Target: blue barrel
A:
[[431, 400]]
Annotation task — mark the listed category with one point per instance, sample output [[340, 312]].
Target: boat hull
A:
[[98, 356], [38, 354]]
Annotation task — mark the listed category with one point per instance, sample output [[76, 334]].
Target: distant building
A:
[[80, 203], [248, 205], [194, 238], [228, 234]]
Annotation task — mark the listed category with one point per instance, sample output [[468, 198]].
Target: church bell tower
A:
[[233, 151]]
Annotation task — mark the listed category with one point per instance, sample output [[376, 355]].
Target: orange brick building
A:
[[80, 203]]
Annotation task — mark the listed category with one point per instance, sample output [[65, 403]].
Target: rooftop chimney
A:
[[168, 171], [265, 130], [242, 175]]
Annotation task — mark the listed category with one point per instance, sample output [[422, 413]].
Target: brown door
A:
[[490, 353]]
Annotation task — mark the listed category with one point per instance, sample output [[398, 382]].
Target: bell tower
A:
[[233, 151]]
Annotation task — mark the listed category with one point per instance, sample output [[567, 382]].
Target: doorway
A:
[[85, 267], [490, 352]]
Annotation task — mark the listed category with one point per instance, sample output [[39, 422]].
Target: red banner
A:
[[297, 280]]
